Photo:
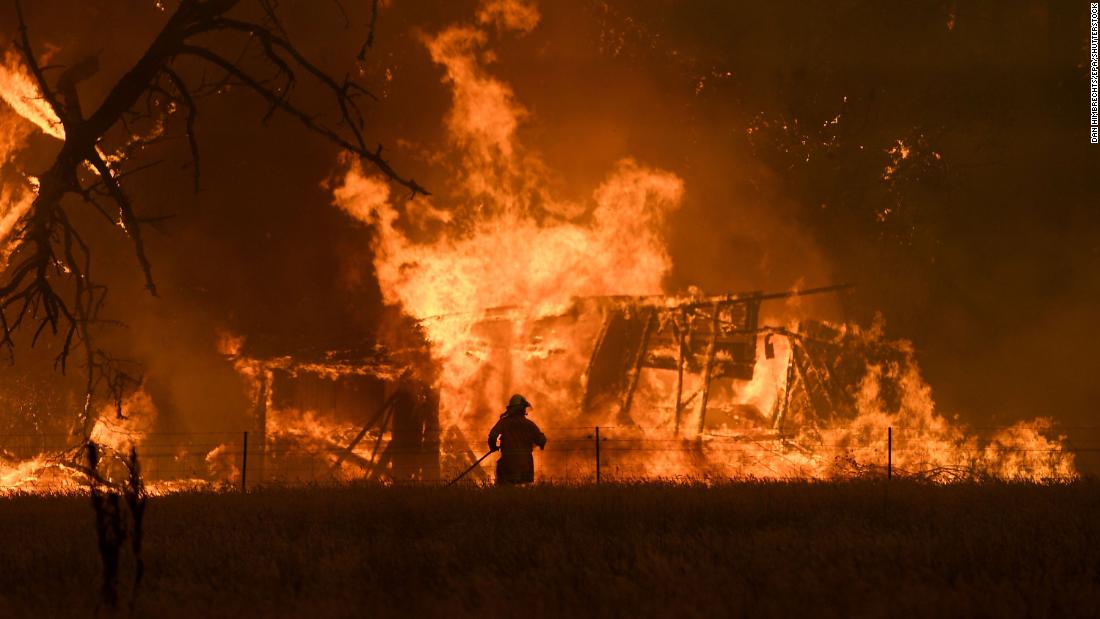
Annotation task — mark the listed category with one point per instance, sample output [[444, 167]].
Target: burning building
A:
[[683, 386], [588, 320]]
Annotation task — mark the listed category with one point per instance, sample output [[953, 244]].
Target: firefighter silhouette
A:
[[518, 436]]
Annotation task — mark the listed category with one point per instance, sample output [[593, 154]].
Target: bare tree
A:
[[49, 285]]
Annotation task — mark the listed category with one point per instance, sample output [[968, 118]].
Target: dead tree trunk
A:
[[49, 284]]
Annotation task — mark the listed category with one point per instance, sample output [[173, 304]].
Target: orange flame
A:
[[24, 103], [18, 90], [511, 244]]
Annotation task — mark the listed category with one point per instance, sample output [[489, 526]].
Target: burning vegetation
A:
[[500, 285]]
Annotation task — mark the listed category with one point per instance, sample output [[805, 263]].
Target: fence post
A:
[[244, 464], [597, 454], [889, 452]]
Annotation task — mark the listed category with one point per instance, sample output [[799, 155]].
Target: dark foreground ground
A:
[[762, 549]]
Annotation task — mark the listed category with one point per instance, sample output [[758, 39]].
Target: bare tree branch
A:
[[369, 43], [127, 218], [49, 282]]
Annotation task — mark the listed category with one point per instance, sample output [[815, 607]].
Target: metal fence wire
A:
[[45, 462]]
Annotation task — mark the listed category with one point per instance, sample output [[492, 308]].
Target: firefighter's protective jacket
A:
[[518, 436]]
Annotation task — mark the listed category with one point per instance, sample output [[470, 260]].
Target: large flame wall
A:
[[504, 240]]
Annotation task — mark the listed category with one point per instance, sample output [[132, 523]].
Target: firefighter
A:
[[518, 436]]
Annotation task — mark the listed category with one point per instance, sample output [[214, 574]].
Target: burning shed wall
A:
[[356, 410]]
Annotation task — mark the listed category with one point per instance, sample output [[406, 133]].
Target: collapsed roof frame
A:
[[713, 336]]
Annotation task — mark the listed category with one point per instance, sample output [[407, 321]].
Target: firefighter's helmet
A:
[[518, 402]]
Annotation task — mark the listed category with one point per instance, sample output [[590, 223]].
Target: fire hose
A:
[[472, 467]]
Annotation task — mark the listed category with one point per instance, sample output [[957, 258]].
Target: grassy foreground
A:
[[759, 549]]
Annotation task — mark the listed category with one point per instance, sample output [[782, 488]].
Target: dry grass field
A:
[[746, 549]]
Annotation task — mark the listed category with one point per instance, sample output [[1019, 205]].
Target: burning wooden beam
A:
[[680, 337], [708, 363], [347, 451], [636, 371]]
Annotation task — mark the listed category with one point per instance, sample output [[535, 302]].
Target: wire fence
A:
[[240, 460]]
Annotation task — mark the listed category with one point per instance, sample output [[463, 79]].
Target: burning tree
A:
[[49, 283]]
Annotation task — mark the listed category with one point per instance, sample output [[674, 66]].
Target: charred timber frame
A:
[[596, 349], [380, 415], [662, 301], [782, 405], [810, 377], [730, 344], [671, 301], [708, 363], [380, 462], [636, 371], [828, 385], [333, 364], [679, 325], [817, 391], [800, 375]]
